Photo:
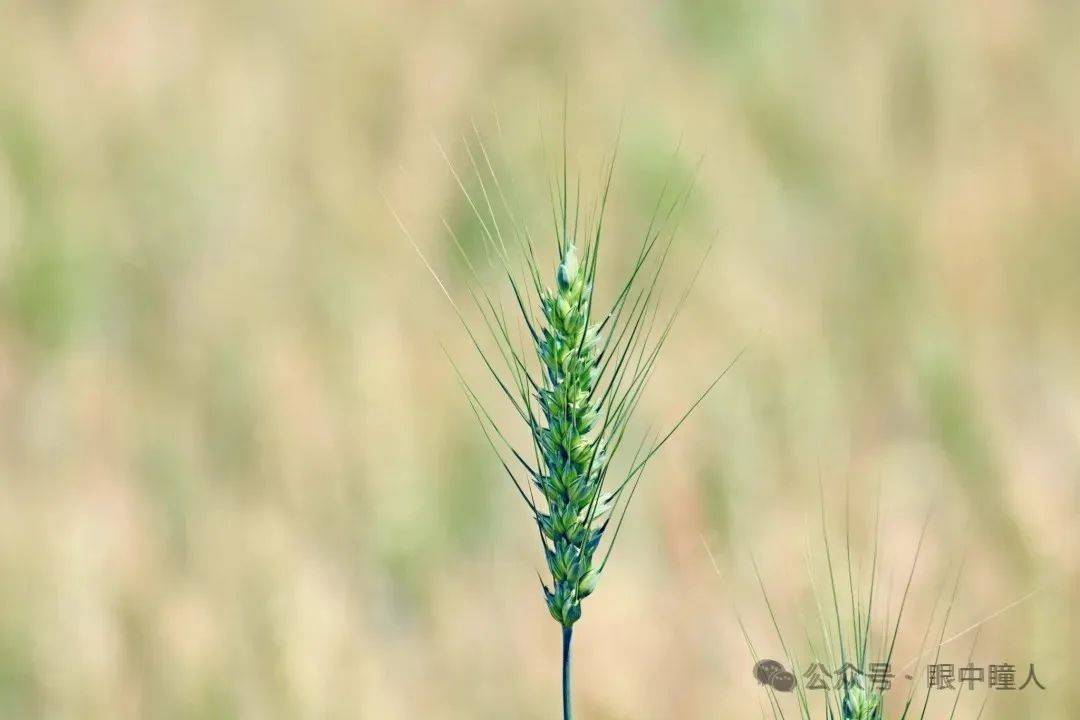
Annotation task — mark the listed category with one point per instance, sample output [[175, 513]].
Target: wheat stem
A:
[[567, 636]]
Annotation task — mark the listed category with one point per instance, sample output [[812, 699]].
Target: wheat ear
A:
[[576, 385]]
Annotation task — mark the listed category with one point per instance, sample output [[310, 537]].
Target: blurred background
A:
[[238, 478]]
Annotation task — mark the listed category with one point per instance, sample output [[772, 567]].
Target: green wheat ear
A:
[[573, 458], [575, 382], [847, 638], [860, 703]]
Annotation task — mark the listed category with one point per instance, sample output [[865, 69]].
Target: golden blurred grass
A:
[[237, 478]]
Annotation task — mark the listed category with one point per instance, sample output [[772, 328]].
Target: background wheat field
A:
[[238, 478]]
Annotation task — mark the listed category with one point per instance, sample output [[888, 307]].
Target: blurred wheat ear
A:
[[577, 379], [849, 642]]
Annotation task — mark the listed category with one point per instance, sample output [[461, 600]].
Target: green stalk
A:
[[567, 633]]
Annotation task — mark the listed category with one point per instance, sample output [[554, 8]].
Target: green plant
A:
[[577, 380], [848, 641]]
